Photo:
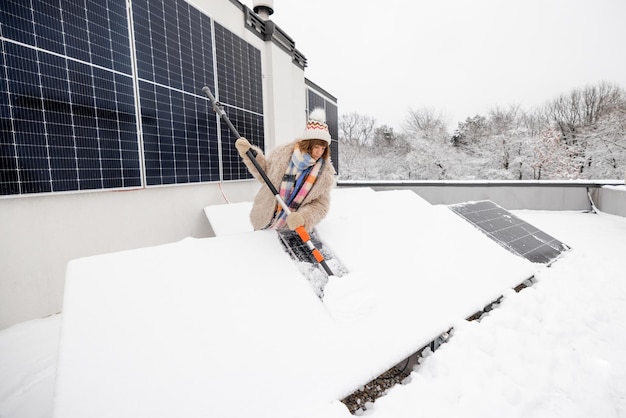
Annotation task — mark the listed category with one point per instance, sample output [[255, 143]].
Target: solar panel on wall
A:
[[174, 60], [68, 111], [240, 90], [332, 119], [68, 95], [68, 102]]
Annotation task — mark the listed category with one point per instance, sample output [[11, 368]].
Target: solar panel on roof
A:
[[513, 233]]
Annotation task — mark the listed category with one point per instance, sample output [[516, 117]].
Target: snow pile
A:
[[178, 330], [28, 360], [232, 316]]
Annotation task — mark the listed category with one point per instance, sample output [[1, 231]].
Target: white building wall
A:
[[285, 106]]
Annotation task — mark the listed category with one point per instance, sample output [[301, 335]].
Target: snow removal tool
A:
[[302, 233]]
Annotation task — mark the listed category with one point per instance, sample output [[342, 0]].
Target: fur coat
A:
[[314, 207]]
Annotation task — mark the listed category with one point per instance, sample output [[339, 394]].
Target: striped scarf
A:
[[298, 181]]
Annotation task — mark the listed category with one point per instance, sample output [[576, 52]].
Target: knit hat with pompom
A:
[[316, 127]]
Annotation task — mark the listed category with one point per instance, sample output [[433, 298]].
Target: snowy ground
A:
[[555, 349]]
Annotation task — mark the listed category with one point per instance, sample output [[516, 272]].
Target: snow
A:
[[28, 357], [554, 349], [212, 328], [620, 188]]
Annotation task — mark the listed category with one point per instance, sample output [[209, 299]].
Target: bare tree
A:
[[605, 153], [576, 114], [425, 123], [356, 129], [470, 132], [581, 134], [551, 157]]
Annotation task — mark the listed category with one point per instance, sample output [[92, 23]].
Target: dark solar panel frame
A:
[[67, 101], [239, 71], [180, 141], [250, 126], [175, 61], [69, 98], [511, 232], [70, 121], [240, 90]]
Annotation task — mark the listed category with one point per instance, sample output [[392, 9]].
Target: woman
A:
[[302, 172]]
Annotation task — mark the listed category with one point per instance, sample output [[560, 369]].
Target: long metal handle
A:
[[219, 109]]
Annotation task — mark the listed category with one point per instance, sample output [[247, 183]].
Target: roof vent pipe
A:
[[264, 8]]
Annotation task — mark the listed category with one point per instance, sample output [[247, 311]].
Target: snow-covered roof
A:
[[234, 312], [172, 330]]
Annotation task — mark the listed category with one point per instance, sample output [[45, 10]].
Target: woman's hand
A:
[[294, 220], [242, 145]]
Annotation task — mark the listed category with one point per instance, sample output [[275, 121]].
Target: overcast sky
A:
[[459, 57]]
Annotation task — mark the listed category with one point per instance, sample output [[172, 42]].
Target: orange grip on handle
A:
[[318, 255], [303, 234]]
